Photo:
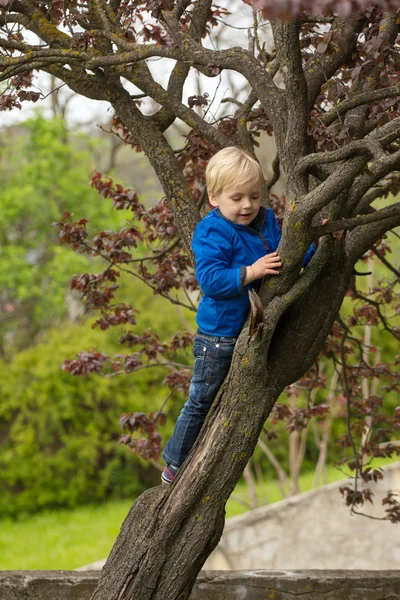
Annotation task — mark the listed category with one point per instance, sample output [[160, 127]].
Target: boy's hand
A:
[[336, 234], [266, 265]]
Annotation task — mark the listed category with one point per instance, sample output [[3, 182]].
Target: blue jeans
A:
[[213, 357]]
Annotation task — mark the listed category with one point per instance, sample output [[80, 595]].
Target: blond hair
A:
[[230, 167]]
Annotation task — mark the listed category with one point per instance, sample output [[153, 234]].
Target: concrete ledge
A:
[[218, 585], [314, 529]]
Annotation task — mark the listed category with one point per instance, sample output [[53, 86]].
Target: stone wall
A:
[[241, 585], [312, 530]]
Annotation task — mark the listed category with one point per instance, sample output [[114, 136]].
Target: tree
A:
[[336, 127], [36, 170]]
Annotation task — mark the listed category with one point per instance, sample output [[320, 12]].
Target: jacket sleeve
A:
[[309, 254], [213, 251], [278, 234]]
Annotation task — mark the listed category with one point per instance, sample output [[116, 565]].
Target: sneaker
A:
[[169, 474]]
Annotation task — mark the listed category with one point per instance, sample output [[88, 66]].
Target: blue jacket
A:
[[222, 250]]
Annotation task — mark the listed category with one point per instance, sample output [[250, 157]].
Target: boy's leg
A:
[[213, 357]]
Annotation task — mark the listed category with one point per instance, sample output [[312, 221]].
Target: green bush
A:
[[59, 433]]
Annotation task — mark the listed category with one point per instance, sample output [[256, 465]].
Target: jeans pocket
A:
[[199, 352]]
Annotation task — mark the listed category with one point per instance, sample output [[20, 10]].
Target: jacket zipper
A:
[[260, 235]]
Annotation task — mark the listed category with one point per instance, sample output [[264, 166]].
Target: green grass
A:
[[62, 539], [68, 539]]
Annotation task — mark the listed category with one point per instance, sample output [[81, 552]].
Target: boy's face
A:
[[239, 204]]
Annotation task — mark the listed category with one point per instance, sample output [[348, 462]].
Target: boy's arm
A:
[[309, 254], [213, 251]]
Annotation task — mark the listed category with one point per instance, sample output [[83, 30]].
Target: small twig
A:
[[361, 514], [348, 403], [150, 366], [386, 262], [168, 396]]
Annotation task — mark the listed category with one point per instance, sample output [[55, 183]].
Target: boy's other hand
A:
[[266, 265], [336, 234]]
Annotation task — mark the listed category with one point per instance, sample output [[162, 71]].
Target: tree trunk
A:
[[171, 530]]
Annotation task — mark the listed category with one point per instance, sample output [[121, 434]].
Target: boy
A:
[[235, 247]]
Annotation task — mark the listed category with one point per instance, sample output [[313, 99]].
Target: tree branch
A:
[[276, 305], [41, 26], [340, 179], [145, 82], [376, 171], [385, 262], [276, 172], [355, 148], [177, 79], [11, 18], [365, 236], [330, 188], [359, 100], [364, 206], [350, 224], [286, 37], [242, 120], [343, 42], [164, 162]]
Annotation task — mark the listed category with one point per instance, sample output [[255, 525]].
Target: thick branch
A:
[[376, 171], [359, 100], [34, 53], [12, 18], [275, 307], [302, 334], [349, 224], [164, 162], [242, 117], [177, 79], [144, 80], [341, 179], [286, 37], [343, 42], [364, 207], [337, 182], [44, 29], [276, 173], [365, 236], [96, 87], [357, 147]]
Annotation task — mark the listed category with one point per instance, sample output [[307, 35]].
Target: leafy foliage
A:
[[36, 172], [59, 434]]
